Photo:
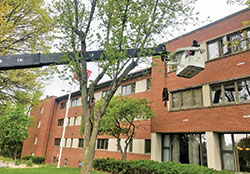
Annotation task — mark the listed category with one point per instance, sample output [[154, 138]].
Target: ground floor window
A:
[[235, 151], [184, 148], [79, 164], [65, 162]]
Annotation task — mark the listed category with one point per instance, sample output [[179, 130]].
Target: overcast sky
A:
[[215, 9]]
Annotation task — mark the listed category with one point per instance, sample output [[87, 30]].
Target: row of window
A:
[[76, 121], [221, 93], [69, 142], [129, 89], [101, 144], [126, 90], [73, 103], [231, 43]]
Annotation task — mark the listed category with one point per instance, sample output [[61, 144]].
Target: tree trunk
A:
[[89, 150]]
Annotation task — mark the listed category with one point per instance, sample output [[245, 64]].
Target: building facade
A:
[[49, 116], [202, 122]]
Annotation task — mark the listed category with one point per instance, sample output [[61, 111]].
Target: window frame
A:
[[57, 142], [244, 36], [104, 93], [102, 142], [222, 88], [147, 141], [148, 84], [38, 124], [124, 89], [80, 142], [60, 122], [74, 102], [180, 92], [41, 110], [35, 140], [63, 105]]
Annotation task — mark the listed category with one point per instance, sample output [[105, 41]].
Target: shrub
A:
[[38, 159], [17, 162], [148, 167], [29, 163], [26, 158]]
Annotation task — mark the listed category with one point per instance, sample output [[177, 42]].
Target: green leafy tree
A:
[[121, 119], [22, 86], [13, 130], [24, 26], [113, 26]]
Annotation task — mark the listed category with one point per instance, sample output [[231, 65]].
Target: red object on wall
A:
[[88, 75]]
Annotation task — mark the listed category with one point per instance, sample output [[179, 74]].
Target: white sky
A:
[[215, 9]]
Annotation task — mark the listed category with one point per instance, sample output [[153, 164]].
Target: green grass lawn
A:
[[44, 170]]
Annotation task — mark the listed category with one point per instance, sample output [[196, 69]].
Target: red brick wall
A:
[[42, 132]]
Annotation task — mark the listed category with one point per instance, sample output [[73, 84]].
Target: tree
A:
[[121, 119], [24, 26], [23, 87], [13, 130], [121, 25]]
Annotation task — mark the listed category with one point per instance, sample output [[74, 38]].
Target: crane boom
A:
[[38, 60]]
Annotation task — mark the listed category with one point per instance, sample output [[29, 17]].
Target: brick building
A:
[[46, 132], [204, 119]]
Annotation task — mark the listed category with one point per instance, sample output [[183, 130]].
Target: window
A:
[[71, 142], [65, 162], [128, 89], [104, 93], [74, 102], [166, 148], [213, 49], [235, 42], [227, 151], [148, 84], [63, 105], [74, 120], [60, 122], [39, 124], [41, 110], [102, 144], [65, 142], [80, 143], [68, 121], [187, 98], [147, 146], [79, 164], [184, 148], [243, 89], [54, 160], [231, 92], [57, 141], [130, 148], [35, 141]]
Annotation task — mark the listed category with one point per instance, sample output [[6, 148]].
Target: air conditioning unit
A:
[[191, 62]]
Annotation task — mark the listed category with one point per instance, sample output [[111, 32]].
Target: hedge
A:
[[34, 159], [151, 167]]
